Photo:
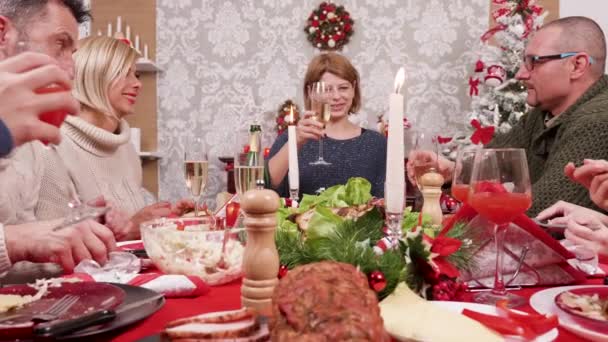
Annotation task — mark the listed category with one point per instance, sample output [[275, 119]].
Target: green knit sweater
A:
[[581, 132]]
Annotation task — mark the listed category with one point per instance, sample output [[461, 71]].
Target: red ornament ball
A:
[[377, 281], [282, 271], [479, 66]]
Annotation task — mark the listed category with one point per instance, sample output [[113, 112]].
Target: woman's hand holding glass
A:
[[463, 169], [309, 129]]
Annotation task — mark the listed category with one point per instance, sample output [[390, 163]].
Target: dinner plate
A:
[[600, 325], [544, 302], [94, 296], [491, 310]]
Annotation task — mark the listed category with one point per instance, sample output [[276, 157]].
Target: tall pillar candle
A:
[[294, 171], [394, 195]]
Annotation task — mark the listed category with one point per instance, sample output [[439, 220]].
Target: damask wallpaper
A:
[[230, 63]]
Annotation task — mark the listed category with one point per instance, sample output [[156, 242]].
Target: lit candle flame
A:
[[399, 80], [292, 119]]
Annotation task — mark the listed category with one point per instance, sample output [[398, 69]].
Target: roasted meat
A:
[[326, 301]]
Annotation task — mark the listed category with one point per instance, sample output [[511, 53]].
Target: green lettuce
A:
[[323, 223]]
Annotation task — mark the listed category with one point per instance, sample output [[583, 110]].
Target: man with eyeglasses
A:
[[563, 69]]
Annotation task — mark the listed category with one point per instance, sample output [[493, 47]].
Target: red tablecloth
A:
[[227, 297]]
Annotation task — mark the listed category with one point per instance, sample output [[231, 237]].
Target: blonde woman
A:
[[95, 157]]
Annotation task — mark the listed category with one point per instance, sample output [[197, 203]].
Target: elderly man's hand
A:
[[418, 157], [37, 242], [20, 105]]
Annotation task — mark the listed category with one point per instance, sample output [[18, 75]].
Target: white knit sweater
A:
[[92, 162]]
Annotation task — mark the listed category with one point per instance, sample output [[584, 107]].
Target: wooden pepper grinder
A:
[[261, 259], [431, 183]]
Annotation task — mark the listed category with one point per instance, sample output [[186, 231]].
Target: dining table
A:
[[227, 297]]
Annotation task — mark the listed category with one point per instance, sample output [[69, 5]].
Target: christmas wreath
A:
[[283, 115], [344, 223], [329, 27]]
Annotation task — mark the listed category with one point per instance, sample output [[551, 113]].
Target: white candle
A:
[[128, 32], [146, 51], [394, 195], [118, 24], [294, 171], [137, 43], [109, 29]]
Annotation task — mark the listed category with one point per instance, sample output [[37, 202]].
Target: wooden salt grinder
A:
[[261, 259], [431, 183]]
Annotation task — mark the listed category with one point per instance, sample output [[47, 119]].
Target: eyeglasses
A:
[[531, 60]]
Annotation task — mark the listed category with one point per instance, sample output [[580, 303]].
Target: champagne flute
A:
[[427, 143], [500, 191], [319, 93], [196, 169], [461, 178]]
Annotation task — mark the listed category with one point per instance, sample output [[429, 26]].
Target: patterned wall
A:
[[230, 63]]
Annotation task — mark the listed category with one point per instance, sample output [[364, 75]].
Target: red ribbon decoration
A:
[[443, 140], [482, 134], [491, 32], [500, 12], [473, 86]]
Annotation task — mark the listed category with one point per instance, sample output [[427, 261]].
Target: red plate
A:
[[586, 322], [92, 297]]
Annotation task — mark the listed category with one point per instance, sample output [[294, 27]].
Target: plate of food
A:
[[545, 302], [23, 306], [588, 306]]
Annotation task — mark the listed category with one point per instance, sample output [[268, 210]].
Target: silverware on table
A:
[[52, 313], [65, 327]]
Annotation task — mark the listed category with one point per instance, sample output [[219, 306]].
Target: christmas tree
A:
[[498, 99]]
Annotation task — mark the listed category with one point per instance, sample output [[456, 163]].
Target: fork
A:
[[57, 309]]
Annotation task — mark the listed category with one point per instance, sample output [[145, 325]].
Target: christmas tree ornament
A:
[[479, 66], [283, 270], [377, 281], [449, 204], [495, 75]]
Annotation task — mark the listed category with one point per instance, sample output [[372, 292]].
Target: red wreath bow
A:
[[444, 246], [482, 134]]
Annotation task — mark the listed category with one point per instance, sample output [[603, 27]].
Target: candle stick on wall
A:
[[128, 33], [146, 51], [395, 170], [109, 29], [294, 171], [137, 42], [118, 24]]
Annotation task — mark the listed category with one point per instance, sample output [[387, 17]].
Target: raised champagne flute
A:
[[319, 94], [196, 169], [461, 178], [425, 143], [500, 191]]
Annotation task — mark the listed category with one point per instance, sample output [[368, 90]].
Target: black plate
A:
[[133, 294]]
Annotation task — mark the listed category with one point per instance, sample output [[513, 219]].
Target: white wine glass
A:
[[425, 144], [319, 94], [196, 169]]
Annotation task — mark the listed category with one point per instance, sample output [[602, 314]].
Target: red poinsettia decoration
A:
[[329, 27], [441, 248], [481, 135]]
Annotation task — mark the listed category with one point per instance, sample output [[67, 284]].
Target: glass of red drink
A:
[[56, 117], [461, 179], [500, 191]]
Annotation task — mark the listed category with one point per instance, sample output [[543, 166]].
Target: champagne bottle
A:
[[254, 145]]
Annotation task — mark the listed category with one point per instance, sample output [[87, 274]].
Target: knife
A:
[[65, 327]]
